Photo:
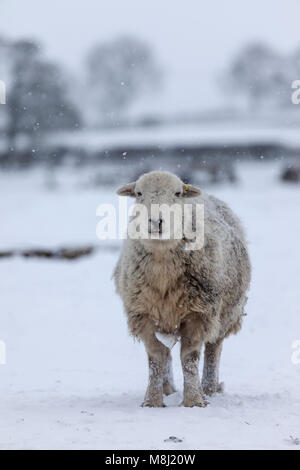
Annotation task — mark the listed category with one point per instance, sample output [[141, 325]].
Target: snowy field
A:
[[74, 379]]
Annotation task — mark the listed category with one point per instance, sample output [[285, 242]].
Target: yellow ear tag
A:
[[186, 187]]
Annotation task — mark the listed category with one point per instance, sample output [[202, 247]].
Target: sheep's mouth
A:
[[155, 232], [161, 237]]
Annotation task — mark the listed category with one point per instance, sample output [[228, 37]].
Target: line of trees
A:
[[40, 96]]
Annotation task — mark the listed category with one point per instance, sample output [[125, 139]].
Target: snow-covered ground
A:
[[74, 379]]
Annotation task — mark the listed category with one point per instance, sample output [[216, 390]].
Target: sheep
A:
[[172, 293]]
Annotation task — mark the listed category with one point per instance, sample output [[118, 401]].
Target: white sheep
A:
[[171, 292]]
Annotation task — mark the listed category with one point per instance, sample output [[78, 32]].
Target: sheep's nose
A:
[[156, 221], [156, 224]]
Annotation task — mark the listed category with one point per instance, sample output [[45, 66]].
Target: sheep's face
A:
[[158, 215]]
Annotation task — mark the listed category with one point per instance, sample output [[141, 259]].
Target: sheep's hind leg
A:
[[190, 355], [168, 381], [210, 378]]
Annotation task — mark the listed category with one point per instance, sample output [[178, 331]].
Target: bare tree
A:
[[257, 73], [119, 72], [37, 99]]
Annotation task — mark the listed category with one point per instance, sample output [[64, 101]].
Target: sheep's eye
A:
[[178, 194], [138, 193]]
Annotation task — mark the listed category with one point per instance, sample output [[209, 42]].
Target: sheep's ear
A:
[[127, 190], [190, 191]]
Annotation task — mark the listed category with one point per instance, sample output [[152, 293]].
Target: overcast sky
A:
[[193, 39]]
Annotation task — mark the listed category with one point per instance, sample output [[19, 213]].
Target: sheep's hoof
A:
[[153, 404], [199, 404], [209, 390], [169, 389], [197, 401]]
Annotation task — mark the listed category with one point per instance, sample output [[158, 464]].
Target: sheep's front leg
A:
[[190, 356], [210, 378], [168, 382], [157, 355]]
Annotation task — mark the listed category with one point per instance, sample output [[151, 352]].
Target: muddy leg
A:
[[210, 378], [157, 355], [190, 355]]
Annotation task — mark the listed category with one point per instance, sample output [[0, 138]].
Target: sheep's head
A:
[[159, 209]]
